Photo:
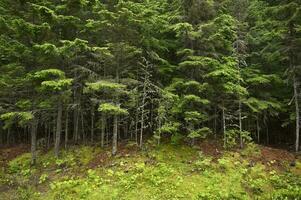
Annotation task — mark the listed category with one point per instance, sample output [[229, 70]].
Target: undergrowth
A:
[[166, 172]]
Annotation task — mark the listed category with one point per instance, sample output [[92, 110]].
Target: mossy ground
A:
[[164, 172]]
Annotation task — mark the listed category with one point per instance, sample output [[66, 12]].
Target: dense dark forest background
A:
[[101, 72]]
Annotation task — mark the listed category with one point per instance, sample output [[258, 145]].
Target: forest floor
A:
[[206, 171]]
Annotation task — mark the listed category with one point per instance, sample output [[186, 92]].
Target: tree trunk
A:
[[142, 114], [240, 125], [268, 137], [75, 124], [48, 136], [224, 125], [1, 136], [136, 127], [8, 137], [141, 130], [159, 132], [77, 100], [215, 122], [92, 125], [115, 134], [296, 94], [258, 130], [66, 129], [103, 129], [54, 130], [34, 127], [58, 129], [83, 128]]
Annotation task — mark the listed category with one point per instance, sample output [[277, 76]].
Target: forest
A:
[[170, 99]]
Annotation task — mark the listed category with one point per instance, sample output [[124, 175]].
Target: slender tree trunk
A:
[[34, 127], [142, 114], [115, 135], [76, 115], [215, 122], [126, 130], [107, 136], [75, 124], [1, 136], [131, 130], [296, 94], [224, 125], [58, 128], [159, 132], [141, 130], [8, 136], [103, 129], [66, 129], [136, 128], [92, 125], [258, 130], [240, 125], [48, 136], [83, 128], [54, 130], [268, 137]]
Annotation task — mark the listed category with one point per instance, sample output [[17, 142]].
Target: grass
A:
[[159, 173]]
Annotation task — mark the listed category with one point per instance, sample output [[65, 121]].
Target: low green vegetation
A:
[[164, 172]]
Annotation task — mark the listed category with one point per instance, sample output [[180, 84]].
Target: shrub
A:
[[250, 150], [26, 194], [291, 193], [19, 164]]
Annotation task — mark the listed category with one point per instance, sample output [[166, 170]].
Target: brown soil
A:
[[7, 154], [270, 154], [276, 159], [272, 158], [105, 158], [212, 148]]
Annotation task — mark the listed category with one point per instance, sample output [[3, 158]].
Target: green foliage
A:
[[165, 172], [203, 163], [192, 99], [200, 133], [104, 86], [21, 118], [58, 85], [43, 178], [194, 117], [52, 80], [230, 138], [203, 61], [287, 186], [251, 149], [112, 109], [232, 135], [24, 104], [256, 179], [79, 156], [21, 164], [170, 128], [258, 106], [27, 193], [49, 74], [176, 139], [291, 193]]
